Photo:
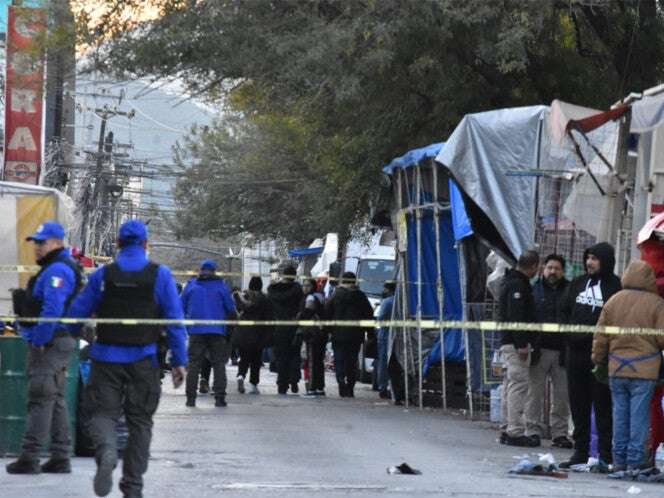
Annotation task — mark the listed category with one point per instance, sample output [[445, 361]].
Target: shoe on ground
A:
[[21, 466], [320, 392], [294, 388], [220, 402], [106, 462], [398, 402], [384, 394], [254, 389], [576, 459], [204, 387], [191, 402], [562, 442], [310, 393], [503, 438], [342, 391], [521, 441], [57, 466], [282, 389], [240, 384], [535, 441]]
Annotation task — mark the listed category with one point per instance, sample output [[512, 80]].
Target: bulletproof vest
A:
[[28, 306], [128, 294]]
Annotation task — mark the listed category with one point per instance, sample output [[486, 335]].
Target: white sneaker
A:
[[240, 385], [254, 389]]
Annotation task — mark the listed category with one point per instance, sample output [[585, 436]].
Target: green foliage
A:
[[327, 91]]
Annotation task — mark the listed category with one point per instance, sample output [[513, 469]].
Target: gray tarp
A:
[[483, 154]]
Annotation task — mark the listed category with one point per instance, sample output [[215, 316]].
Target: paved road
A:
[[269, 445]]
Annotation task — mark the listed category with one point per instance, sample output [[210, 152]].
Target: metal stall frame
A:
[[418, 311], [439, 285]]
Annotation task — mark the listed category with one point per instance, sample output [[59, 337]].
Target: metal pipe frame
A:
[[439, 285]]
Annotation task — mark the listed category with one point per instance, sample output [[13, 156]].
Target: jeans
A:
[[219, 350], [382, 343], [345, 362], [316, 362], [586, 394], [250, 361], [631, 419], [288, 362]]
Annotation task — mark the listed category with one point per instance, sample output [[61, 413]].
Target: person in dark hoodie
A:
[[347, 303], [582, 305], [315, 338], [516, 304], [250, 340], [548, 358], [285, 297], [207, 297]]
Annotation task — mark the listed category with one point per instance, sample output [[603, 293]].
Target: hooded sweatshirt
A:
[[586, 295], [637, 305], [285, 297]]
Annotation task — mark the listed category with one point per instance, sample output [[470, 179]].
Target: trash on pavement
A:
[[547, 459], [404, 468], [527, 468], [633, 490]]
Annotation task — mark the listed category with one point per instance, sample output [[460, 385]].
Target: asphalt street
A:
[[270, 445]]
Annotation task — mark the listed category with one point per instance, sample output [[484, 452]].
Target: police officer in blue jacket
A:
[[125, 375], [49, 350], [207, 297]]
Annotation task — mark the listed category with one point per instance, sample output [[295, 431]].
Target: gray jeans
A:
[[132, 388], [47, 408]]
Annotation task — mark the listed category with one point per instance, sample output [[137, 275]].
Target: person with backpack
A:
[[250, 340], [315, 338], [50, 347], [347, 303]]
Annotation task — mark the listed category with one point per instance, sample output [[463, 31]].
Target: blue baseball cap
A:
[[133, 232], [209, 264], [48, 230]]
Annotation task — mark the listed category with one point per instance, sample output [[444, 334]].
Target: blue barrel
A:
[[13, 389]]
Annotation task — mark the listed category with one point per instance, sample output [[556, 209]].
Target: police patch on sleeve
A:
[[517, 295], [56, 282]]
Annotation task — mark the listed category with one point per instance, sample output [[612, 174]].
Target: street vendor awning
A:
[[301, 252], [413, 157], [565, 116]]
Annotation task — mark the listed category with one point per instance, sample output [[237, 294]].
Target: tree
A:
[[325, 92]]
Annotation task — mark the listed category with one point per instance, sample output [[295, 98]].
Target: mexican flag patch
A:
[[56, 282]]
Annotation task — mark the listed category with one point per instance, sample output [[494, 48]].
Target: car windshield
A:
[[373, 273]]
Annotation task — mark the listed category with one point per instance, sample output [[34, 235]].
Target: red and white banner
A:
[[23, 94]]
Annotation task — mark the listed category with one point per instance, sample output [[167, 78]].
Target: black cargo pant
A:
[[584, 393], [345, 362], [132, 388], [250, 361], [316, 363], [47, 408], [217, 347]]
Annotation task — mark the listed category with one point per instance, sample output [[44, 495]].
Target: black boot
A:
[[294, 388], [349, 390], [57, 466], [106, 459], [191, 401], [577, 458], [220, 401], [21, 466], [342, 390]]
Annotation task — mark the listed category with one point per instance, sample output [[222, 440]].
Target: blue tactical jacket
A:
[[207, 299], [134, 258], [53, 288]]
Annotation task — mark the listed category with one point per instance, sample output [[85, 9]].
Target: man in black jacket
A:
[[285, 297], [347, 303], [582, 305], [547, 358], [516, 304]]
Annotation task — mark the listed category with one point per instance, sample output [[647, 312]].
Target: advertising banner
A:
[[23, 94]]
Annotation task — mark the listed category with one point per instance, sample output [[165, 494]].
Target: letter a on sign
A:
[[22, 139]]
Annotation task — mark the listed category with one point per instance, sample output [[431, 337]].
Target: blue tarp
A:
[[452, 305], [460, 222], [413, 157], [301, 252]]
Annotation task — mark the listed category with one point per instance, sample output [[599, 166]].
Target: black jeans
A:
[[250, 360], [345, 362], [584, 393], [132, 388], [288, 362], [219, 349], [206, 369], [316, 363]]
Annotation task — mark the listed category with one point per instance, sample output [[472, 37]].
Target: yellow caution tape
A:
[[424, 324]]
